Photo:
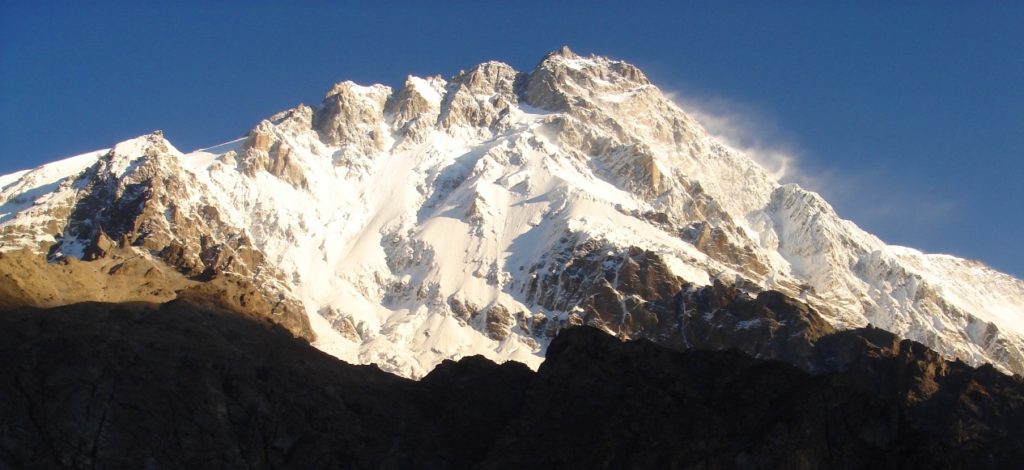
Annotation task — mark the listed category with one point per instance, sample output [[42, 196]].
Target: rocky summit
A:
[[481, 214]]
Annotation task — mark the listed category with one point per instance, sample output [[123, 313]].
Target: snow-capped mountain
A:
[[478, 215]]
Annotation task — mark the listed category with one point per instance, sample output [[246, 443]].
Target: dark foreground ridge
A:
[[172, 386]]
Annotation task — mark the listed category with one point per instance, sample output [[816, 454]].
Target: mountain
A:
[[136, 385], [481, 215]]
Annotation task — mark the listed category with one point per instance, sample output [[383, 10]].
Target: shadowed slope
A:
[[168, 386]]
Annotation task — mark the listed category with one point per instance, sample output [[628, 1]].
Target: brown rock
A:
[[352, 117], [499, 322]]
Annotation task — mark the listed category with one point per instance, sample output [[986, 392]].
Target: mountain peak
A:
[[349, 88], [563, 52], [353, 114], [124, 155], [563, 79], [483, 214], [154, 140]]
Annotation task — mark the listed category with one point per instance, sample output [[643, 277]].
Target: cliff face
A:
[[172, 385]]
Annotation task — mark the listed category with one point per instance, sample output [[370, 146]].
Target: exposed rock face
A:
[[263, 151], [635, 295], [499, 322], [131, 216], [480, 97], [352, 117], [416, 107], [557, 82], [141, 385], [716, 242]]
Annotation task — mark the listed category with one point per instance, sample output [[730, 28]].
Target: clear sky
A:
[[908, 118]]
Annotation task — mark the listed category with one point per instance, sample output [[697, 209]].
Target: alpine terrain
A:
[[482, 214]]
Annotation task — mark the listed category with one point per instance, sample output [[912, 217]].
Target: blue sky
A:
[[908, 117]]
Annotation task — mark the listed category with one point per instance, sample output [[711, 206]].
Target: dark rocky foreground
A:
[[173, 386]]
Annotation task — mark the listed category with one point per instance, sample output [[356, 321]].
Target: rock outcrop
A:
[[415, 108], [352, 117], [262, 150], [635, 295], [480, 97]]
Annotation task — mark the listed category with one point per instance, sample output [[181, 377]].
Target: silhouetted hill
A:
[[172, 386]]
